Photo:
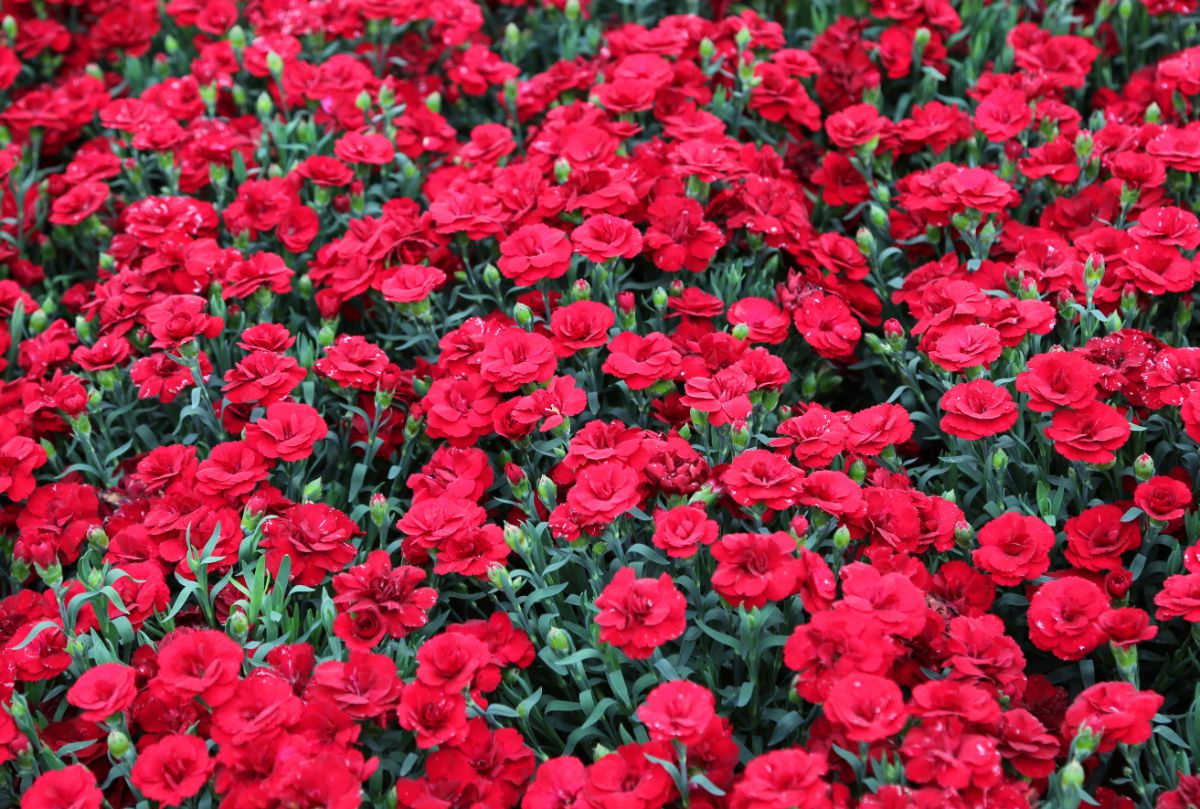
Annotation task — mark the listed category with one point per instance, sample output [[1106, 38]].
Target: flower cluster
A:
[[591, 404]]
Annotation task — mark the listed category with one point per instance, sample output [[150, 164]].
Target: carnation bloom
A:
[[172, 769], [977, 409], [640, 615], [1117, 711], [1014, 548], [678, 710], [1064, 617]]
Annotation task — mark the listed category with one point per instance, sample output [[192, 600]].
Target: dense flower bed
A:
[[474, 404]]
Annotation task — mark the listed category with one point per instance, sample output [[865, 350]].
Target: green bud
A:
[[963, 533], [312, 490], [434, 101], [514, 537], [97, 538], [742, 38], [1083, 145], [857, 471], [921, 37], [547, 492], [118, 744], [659, 298], [51, 575], [865, 241], [379, 509], [20, 571], [238, 624], [1143, 467], [237, 37], [275, 64], [1153, 113], [326, 335], [999, 460], [841, 538], [491, 275], [264, 106], [512, 35], [523, 315], [10, 27], [572, 10], [1125, 9], [562, 170], [741, 331], [879, 217], [707, 49], [38, 321], [808, 386], [961, 221], [740, 436]]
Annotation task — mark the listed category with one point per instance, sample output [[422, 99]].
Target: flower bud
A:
[[513, 537], [999, 460], [1153, 113], [961, 221], [865, 241], [547, 492], [841, 538], [740, 435], [386, 97], [238, 624], [562, 170], [659, 298], [1093, 271], [275, 64], [38, 321], [921, 37], [434, 101], [707, 49], [51, 575], [1072, 775], [491, 275], [118, 744], [581, 290], [857, 471], [1125, 9], [264, 106], [379, 509], [878, 216], [742, 38], [1086, 742], [572, 10], [1143, 467], [741, 331], [10, 27], [963, 533], [499, 578], [523, 315], [97, 538], [326, 335], [237, 37], [312, 490]]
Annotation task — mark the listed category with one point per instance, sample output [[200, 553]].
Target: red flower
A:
[[639, 615], [753, 569], [1099, 536], [534, 253], [231, 470], [102, 691], [1118, 712], [678, 710], [679, 236], [437, 716], [80, 202], [288, 431], [977, 409], [868, 708], [515, 358], [680, 531], [783, 779], [364, 687], [1064, 617], [642, 361], [173, 769], [394, 594], [759, 477], [19, 457], [180, 319], [1089, 433], [73, 787], [450, 660], [315, 538], [460, 409], [603, 237], [204, 664], [1163, 498], [1014, 548], [580, 325]]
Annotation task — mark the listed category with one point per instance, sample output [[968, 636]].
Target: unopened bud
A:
[[523, 315], [275, 64], [841, 538], [118, 744], [858, 471], [547, 492], [379, 509], [312, 490], [999, 460], [741, 331], [491, 275], [238, 623], [707, 49], [97, 538], [963, 533], [1143, 467]]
